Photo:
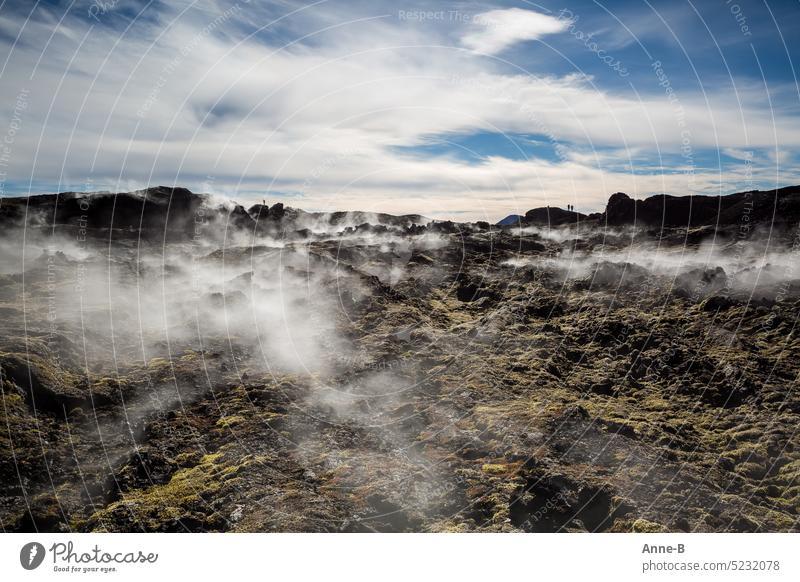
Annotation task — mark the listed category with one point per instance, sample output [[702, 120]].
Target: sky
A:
[[457, 110]]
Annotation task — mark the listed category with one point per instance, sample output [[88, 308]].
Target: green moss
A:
[[158, 363], [495, 468], [790, 472], [187, 459], [230, 421], [182, 495], [644, 526]]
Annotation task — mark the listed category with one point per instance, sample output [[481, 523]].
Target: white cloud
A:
[[323, 119], [779, 157], [496, 30], [739, 154]]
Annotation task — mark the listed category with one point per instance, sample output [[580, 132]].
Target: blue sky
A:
[[446, 108]]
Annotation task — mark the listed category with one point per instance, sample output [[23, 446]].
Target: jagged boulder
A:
[[772, 206], [552, 216], [44, 384], [621, 209], [699, 283]]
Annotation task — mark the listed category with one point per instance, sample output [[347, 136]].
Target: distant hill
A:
[[174, 213], [511, 220], [158, 211], [781, 206], [553, 216]]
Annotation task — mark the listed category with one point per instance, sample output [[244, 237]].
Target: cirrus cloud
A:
[[496, 30]]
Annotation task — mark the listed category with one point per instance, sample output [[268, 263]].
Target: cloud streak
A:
[[325, 106], [496, 30]]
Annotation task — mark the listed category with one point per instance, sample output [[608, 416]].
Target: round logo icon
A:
[[31, 555]]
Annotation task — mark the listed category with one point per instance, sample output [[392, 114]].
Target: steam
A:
[[262, 301], [379, 406], [764, 269]]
